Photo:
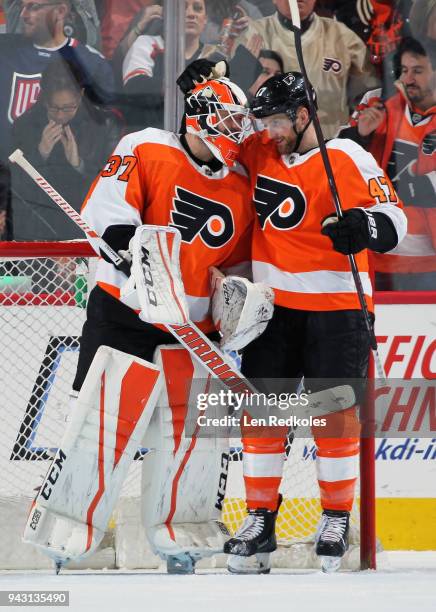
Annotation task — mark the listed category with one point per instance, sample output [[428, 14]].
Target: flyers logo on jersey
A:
[[332, 64], [24, 93], [194, 215], [281, 204]]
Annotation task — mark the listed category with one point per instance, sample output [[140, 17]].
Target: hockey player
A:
[[187, 181], [191, 183], [317, 330]]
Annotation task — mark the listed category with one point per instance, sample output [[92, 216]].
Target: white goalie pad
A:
[[240, 309], [155, 280], [71, 512], [184, 474]]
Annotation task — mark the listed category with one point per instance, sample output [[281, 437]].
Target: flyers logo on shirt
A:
[[280, 204], [330, 63], [24, 93], [194, 215]]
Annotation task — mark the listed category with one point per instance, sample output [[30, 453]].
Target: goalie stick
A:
[[187, 333], [296, 29], [97, 243]]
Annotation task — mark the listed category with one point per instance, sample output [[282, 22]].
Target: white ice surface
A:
[[406, 582]]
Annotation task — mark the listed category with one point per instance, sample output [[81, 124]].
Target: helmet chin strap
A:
[[293, 118]]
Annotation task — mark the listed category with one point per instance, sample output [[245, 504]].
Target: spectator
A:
[[143, 65], [24, 57], [116, 20], [68, 140], [401, 134], [272, 64], [336, 59], [82, 21]]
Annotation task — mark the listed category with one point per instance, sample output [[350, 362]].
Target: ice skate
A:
[[332, 539], [249, 550]]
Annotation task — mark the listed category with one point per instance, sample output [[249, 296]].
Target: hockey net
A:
[[43, 294]]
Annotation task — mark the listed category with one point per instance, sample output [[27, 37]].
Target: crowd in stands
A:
[[75, 75]]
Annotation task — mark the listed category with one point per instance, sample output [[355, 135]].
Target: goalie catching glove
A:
[[240, 309]]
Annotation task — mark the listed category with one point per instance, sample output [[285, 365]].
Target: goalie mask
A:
[[215, 111]]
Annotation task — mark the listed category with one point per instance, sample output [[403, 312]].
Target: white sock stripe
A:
[[263, 465], [333, 469]]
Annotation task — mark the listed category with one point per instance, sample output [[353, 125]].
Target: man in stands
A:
[[401, 134], [24, 57], [336, 58]]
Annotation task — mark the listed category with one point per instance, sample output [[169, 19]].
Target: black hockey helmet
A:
[[282, 93]]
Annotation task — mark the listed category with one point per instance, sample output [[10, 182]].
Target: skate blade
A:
[[330, 564], [180, 564], [256, 564]]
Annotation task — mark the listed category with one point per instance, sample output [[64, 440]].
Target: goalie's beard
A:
[[213, 164]]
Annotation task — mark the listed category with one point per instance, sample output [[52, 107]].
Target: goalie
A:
[[131, 380]]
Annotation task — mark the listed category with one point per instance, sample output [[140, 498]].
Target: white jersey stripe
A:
[[319, 281]]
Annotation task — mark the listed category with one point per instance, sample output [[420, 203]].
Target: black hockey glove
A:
[[200, 71], [360, 229], [429, 144], [351, 233]]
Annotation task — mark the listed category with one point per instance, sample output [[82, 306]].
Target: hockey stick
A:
[[296, 28], [97, 243]]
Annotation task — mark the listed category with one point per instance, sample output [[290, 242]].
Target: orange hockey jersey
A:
[[292, 197], [150, 179]]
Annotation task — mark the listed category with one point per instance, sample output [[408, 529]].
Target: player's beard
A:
[[285, 145]]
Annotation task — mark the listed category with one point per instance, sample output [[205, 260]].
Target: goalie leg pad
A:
[[72, 509], [184, 475]]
